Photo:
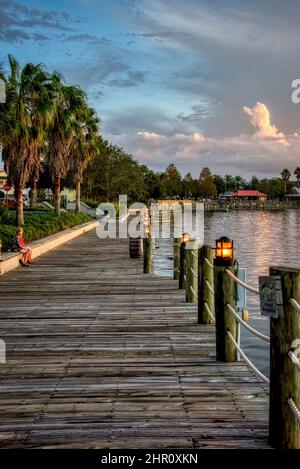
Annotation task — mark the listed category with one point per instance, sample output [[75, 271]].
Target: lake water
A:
[[261, 239]]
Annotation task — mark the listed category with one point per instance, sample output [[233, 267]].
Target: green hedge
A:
[[39, 226]]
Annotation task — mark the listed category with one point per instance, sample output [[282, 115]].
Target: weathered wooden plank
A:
[[100, 355]]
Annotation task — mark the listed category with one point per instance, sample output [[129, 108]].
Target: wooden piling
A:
[[148, 254], [176, 258], [191, 256], [224, 292], [205, 272], [182, 265], [135, 247], [284, 430]]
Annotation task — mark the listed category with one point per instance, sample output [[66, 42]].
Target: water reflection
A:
[[261, 239]]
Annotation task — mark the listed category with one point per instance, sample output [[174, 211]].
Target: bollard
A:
[[224, 292], [176, 258], [284, 430], [148, 254], [135, 247], [191, 257], [182, 265], [205, 272]]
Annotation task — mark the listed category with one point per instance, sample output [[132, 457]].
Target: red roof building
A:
[[249, 195]]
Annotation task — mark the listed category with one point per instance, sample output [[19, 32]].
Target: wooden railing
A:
[[213, 288]]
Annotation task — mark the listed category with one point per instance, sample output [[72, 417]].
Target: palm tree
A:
[[229, 182], [285, 176], [69, 99], [20, 124], [297, 174], [84, 146]]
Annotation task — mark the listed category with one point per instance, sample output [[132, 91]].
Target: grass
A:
[[38, 225]]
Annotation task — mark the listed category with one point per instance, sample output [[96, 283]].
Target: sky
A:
[[194, 82]]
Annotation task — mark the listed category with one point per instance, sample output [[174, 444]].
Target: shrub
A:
[[40, 225]]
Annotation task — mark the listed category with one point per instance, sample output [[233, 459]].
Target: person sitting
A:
[[21, 246]]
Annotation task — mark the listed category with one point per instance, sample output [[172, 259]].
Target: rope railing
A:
[[209, 312], [193, 272], [194, 254], [209, 287], [247, 326], [240, 282], [193, 291], [249, 362], [294, 359], [294, 409], [295, 305], [208, 263]]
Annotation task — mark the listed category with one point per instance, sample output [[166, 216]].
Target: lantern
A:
[[185, 237], [224, 251]]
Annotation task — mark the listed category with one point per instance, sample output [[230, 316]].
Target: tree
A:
[[229, 182], [171, 181], [285, 176], [219, 183], [62, 133], [188, 186], [113, 172], [238, 183], [254, 183], [207, 187], [152, 183], [297, 174], [84, 146], [21, 131]]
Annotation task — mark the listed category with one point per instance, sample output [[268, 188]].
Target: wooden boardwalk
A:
[[101, 356]]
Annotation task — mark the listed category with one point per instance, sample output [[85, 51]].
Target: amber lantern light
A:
[[185, 238], [224, 251]]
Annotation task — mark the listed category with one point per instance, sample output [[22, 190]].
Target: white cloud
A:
[[265, 152], [261, 120]]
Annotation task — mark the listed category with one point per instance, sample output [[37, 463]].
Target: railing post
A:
[[225, 292], [182, 265], [148, 254], [135, 247], [191, 257], [205, 296], [284, 430], [176, 258]]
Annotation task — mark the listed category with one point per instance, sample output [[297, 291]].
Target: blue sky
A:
[[197, 82]]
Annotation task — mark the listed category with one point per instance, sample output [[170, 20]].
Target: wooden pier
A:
[[100, 355]]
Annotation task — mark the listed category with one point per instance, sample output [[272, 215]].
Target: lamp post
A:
[[147, 248], [225, 293], [184, 239]]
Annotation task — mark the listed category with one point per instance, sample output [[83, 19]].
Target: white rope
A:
[[245, 324], [249, 363], [209, 311], [194, 254], [295, 305], [294, 409], [208, 263], [193, 291], [209, 287], [240, 282], [193, 272], [294, 359]]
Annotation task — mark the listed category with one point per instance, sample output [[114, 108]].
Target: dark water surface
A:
[[261, 239]]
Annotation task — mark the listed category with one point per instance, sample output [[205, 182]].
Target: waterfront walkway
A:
[[101, 355]]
